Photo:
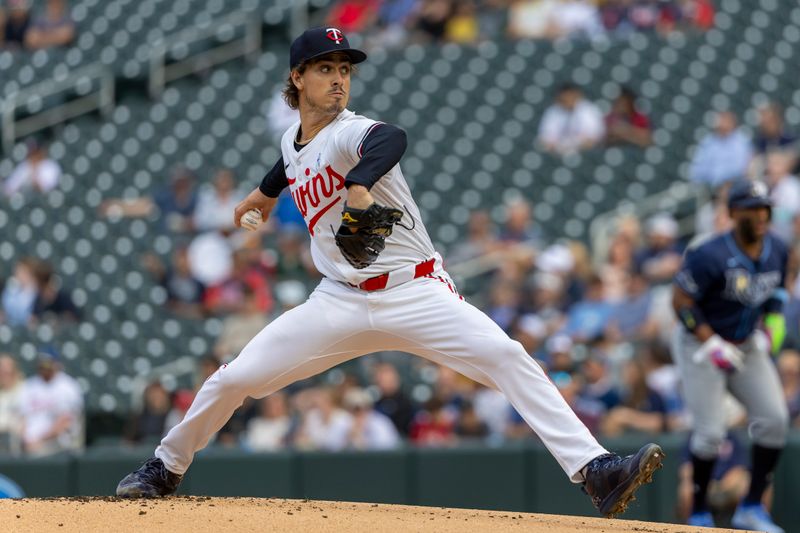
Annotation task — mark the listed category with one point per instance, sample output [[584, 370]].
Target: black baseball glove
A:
[[373, 225]]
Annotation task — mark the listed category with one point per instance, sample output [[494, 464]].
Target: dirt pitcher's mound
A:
[[201, 514]]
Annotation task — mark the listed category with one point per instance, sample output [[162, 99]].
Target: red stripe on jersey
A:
[[361, 144], [318, 215]]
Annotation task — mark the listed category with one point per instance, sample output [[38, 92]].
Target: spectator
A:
[[280, 116], [241, 326], [392, 24], [51, 406], [353, 16], [369, 429], [16, 24], [547, 300], [53, 302], [10, 389], [433, 425], [559, 354], [589, 411], [37, 173], [177, 203], [653, 15], [289, 294], [270, 430], [184, 291], [789, 371], [150, 424], [503, 304], [713, 216], [492, 18], [784, 192], [174, 205], [21, 292], [632, 318], [227, 296], [614, 17], [642, 408], [723, 155], [625, 123], [392, 401], [519, 227], [598, 385], [469, 425], [572, 123], [293, 258], [480, 240], [570, 262], [660, 259], [576, 19], [211, 258], [55, 28], [662, 377], [325, 426], [531, 19], [216, 204], [430, 19], [698, 14], [588, 319], [286, 215], [463, 27], [772, 133], [616, 270]]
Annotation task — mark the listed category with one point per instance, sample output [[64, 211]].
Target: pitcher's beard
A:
[[332, 109]]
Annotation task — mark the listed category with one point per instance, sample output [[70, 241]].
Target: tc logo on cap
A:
[[335, 35]]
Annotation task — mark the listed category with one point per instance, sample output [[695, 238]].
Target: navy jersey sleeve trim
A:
[[360, 149], [380, 150], [275, 180]]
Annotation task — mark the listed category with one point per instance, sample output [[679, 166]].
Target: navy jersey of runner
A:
[[732, 290]]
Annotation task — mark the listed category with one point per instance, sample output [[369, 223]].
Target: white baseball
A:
[[251, 220]]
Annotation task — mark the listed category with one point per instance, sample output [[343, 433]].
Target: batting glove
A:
[[721, 353]]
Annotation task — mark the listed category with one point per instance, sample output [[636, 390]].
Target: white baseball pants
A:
[[337, 323]]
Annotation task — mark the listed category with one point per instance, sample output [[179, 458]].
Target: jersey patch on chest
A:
[[749, 289]]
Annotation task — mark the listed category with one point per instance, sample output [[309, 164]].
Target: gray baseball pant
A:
[[757, 387]]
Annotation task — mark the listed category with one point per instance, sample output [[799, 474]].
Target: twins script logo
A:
[[317, 190], [335, 35]]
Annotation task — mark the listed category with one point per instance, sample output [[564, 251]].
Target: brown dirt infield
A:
[[206, 515]]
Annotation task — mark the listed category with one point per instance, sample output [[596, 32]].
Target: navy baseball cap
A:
[[316, 42], [746, 194]]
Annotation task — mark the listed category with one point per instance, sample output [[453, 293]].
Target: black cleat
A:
[[152, 480], [611, 480]]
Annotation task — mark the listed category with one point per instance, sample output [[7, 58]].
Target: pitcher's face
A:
[[325, 84]]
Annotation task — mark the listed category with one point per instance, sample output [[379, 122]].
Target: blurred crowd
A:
[[28, 25], [398, 22], [42, 414], [598, 321]]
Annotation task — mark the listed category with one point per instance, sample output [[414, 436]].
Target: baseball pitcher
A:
[[384, 288]]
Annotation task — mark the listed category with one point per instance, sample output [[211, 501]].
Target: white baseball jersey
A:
[[316, 176], [422, 315]]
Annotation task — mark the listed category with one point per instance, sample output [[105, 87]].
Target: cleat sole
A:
[[650, 462]]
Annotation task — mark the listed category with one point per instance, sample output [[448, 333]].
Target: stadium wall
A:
[[520, 477]]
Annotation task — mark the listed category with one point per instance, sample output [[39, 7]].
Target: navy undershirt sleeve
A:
[[380, 151], [275, 180]]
